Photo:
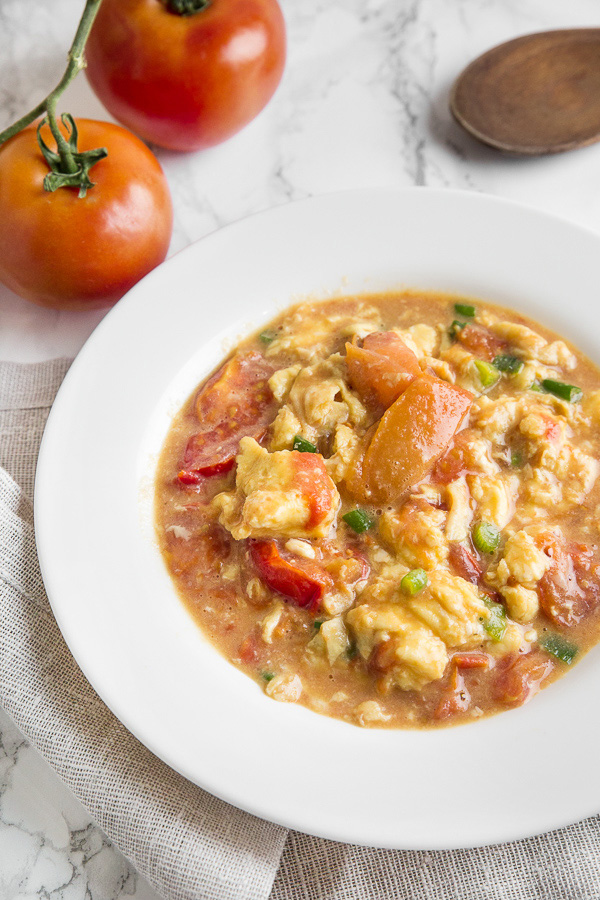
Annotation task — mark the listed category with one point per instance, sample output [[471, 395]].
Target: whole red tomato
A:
[[186, 81], [68, 252]]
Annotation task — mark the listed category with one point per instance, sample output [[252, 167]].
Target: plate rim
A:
[[111, 322]]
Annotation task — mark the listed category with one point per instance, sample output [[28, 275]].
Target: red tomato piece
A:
[[311, 478], [481, 342], [456, 699], [238, 392], [249, 649], [465, 563], [301, 581], [520, 678], [453, 464], [569, 589], [474, 660], [382, 368], [234, 403], [411, 435]]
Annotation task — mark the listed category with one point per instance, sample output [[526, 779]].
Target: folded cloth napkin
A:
[[188, 844]]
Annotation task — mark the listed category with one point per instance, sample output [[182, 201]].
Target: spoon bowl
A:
[[533, 95]]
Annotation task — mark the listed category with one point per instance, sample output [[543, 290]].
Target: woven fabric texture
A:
[[190, 845]]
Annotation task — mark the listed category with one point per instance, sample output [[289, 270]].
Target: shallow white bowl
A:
[[516, 774]]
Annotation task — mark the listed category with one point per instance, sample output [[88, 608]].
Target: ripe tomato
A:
[[186, 81], [63, 251]]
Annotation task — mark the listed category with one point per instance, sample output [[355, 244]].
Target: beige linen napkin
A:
[[190, 845], [187, 843]]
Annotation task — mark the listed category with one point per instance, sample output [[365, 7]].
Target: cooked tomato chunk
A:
[[481, 342], [412, 434], [455, 699], [299, 580], [382, 368], [465, 563], [520, 678], [235, 403], [569, 590]]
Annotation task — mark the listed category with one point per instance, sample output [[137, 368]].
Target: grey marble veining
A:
[[363, 102]]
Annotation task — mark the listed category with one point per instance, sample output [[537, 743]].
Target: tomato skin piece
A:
[[238, 392], [62, 251], [473, 660], [520, 678], [312, 480], [382, 368], [456, 698], [465, 563], [411, 435], [566, 592], [186, 82], [481, 342], [235, 402], [303, 584]]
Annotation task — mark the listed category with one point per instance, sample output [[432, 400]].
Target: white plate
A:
[[516, 774]]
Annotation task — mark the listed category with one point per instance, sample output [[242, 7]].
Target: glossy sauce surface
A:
[[476, 481]]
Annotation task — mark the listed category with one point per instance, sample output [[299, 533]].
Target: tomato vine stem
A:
[[67, 161]]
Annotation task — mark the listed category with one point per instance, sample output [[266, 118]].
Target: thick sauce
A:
[[386, 508]]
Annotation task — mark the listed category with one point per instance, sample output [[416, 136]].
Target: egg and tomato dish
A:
[[386, 508]]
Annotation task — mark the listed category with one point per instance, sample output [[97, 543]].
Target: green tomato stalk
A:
[[186, 7], [68, 167]]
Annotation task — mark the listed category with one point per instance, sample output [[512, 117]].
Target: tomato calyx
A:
[[82, 162], [186, 7], [68, 167]]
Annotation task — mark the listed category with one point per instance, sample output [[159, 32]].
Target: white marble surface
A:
[[363, 103]]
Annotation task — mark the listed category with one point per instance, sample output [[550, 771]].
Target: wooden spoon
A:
[[533, 95]]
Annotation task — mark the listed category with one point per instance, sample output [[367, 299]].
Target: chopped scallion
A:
[[488, 374], [455, 328], [463, 309], [512, 365], [267, 676], [266, 337], [317, 623], [358, 520], [536, 387], [302, 445], [568, 392], [486, 537], [414, 581], [559, 647], [495, 624], [516, 460]]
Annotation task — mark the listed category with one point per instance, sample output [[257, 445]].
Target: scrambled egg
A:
[[268, 500]]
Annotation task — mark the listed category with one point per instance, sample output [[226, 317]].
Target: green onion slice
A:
[[488, 374], [302, 445], [268, 676], [559, 647], [455, 328], [486, 537], [512, 365], [358, 520], [495, 625], [568, 392], [266, 337], [414, 581], [463, 309], [516, 460]]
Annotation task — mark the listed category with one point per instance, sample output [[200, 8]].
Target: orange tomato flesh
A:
[[382, 368], [411, 435]]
